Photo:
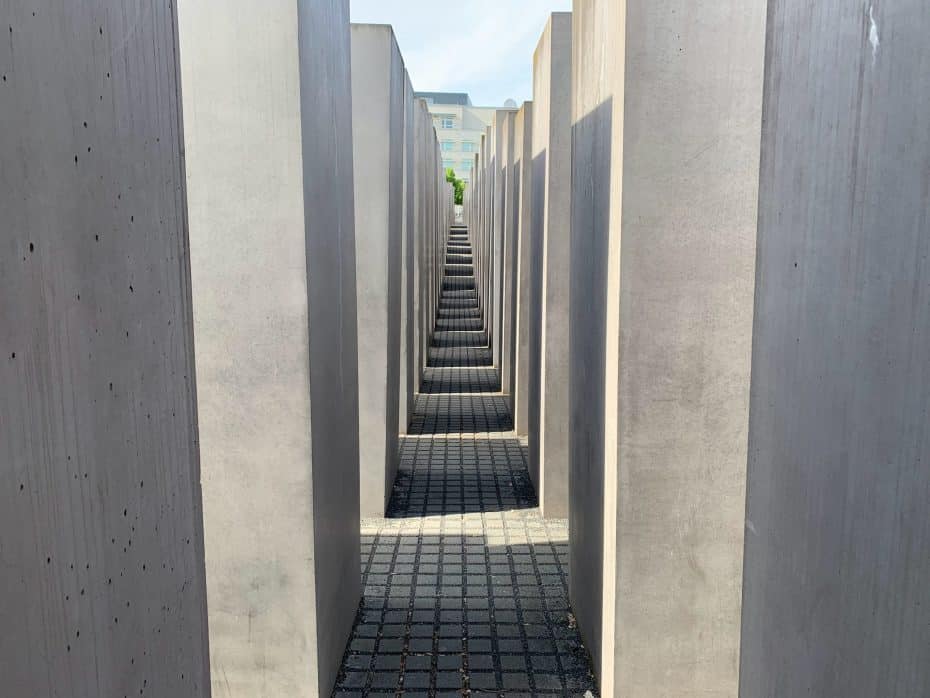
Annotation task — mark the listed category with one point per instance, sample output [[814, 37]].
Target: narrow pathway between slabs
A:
[[465, 585]]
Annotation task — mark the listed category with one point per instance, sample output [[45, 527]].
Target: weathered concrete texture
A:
[[597, 204], [272, 255], [835, 596], [485, 223], [500, 165], [552, 64], [378, 139], [665, 158], [433, 216], [101, 539], [479, 205], [508, 252], [421, 332], [487, 235], [523, 178], [408, 355], [422, 154], [473, 221]]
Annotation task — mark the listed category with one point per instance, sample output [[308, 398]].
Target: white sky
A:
[[482, 47]]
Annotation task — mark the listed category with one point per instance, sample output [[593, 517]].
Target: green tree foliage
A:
[[457, 184]]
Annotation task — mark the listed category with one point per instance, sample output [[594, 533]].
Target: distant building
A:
[[459, 126], [459, 98]]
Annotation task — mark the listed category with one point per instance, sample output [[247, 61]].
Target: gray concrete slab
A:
[[523, 179], [101, 538], [503, 149], [491, 177], [508, 254], [378, 141], [409, 382], [269, 164], [835, 597], [552, 64], [666, 110], [420, 115], [486, 221], [428, 246]]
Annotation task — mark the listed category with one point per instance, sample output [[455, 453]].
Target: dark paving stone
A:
[[465, 585]]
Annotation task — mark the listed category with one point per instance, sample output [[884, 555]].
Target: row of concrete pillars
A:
[[212, 326], [719, 352]]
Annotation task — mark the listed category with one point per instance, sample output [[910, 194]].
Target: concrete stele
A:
[[269, 164], [101, 538], [551, 203], [666, 121], [409, 383], [835, 594], [508, 253], [523, 180], [378, 141]]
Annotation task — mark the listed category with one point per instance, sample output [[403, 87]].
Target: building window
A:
[[447, 146], [446, 164], [447, 122], [466, 165], [468, 147]]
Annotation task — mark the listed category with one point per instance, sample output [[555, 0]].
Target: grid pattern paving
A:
[[465, 587], [477, 379]]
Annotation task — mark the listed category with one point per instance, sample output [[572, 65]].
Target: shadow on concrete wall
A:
[[538, 192], [590, 238]]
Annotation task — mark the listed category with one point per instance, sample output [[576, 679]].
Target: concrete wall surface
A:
[[491, 236], [597, 143], [378, 140], [101, 538], [835, 596], [523, 179], [477, 232], [482, 246], [432, 216], [661, 337], [552, 64], [408, 373], [424, 156], [421, 121], [272, 258], [508, 253], [503, 149]]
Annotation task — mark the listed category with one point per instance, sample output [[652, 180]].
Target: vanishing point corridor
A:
[[465, 584], [361, 348]]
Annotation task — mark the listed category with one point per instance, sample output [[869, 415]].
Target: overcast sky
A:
[[482, 47]]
